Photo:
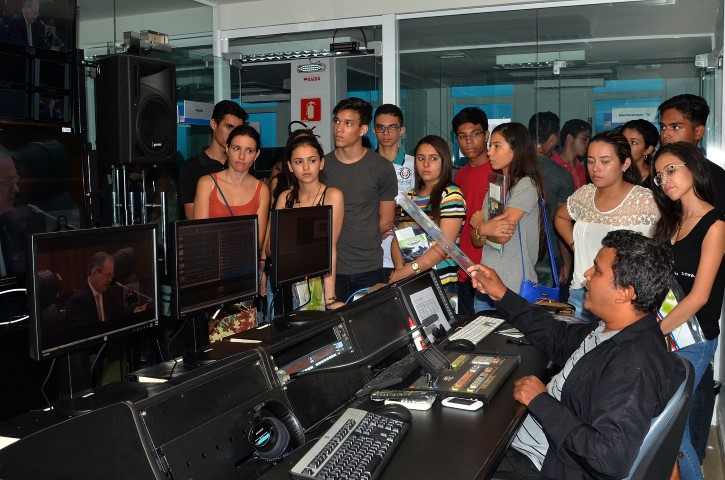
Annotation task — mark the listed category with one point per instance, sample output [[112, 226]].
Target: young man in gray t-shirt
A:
[[369, 185]]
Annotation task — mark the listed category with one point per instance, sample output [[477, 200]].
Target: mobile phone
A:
[[462, 403]]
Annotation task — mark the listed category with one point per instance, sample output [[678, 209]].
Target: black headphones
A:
[[275, 431]]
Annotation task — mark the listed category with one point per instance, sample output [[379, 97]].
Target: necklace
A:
[[694, 215], [298, 202]]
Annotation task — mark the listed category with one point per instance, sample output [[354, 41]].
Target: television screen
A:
[[41, 190], [46, 24], [215, 261], [89, 285], [301, 243]]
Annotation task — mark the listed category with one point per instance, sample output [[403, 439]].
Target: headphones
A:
[[275, 431]]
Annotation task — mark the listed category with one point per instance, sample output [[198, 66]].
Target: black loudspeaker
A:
[[275, 431], [135, 110]]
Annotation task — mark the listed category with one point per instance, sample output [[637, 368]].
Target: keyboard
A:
[[358, 445], [393, 375], [478, 329]]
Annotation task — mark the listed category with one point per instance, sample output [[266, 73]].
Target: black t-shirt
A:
[[718, 182], [192, 170], [687, 253]]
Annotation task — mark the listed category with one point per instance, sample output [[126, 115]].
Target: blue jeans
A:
[[346, 285], [699, 355], [576, 298], [482, 302]]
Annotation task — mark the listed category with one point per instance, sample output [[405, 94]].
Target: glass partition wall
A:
[[603, 63]]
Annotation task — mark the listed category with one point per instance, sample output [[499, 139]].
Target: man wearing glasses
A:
[[368, 184], [470, 126], [389, 129]]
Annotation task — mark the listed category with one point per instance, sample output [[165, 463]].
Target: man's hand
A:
[[487, 281], [527, 388]]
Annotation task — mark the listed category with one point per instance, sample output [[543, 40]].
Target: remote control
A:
[[413, 403], [402, 394]]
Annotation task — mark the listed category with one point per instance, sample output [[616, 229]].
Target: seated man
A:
[[591, 418]]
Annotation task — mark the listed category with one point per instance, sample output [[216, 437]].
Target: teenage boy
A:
[[225, 116], [389, 129], [368, 184], [575, 136], [470, 126]]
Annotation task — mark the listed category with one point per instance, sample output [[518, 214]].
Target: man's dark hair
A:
[[643, 263], [96, 262], [390, 109], [542, 125], [227, 107], [363, 108], [472, 115], [573, 127], [691, 106]]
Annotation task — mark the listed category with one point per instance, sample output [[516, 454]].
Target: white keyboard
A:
[[477, 329]]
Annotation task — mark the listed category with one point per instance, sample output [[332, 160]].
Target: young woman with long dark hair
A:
[[684, 193], [512, 153]]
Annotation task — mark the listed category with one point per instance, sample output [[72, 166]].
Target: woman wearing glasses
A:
[[437, 195], [519, 228], [614, 200], [684, 193]]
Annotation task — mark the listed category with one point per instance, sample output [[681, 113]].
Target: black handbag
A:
[[534, 291]]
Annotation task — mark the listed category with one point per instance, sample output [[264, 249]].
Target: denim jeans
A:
[[576, 298], [699, 355], [482, 302], [347, 285]]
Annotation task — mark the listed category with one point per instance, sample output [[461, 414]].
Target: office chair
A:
[[660, 446], [658, 452]]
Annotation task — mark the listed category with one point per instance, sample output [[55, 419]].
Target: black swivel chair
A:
[[658, 452]]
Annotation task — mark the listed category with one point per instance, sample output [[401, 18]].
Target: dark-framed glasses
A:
[[386, 128], [462, 137]]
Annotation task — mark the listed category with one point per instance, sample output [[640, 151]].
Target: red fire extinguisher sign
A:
[[310, 110]]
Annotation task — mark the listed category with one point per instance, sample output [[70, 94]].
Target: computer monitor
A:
[[89, 286], [49, 187], [301, 244], [301, 247], [424, 297], [214, 261]]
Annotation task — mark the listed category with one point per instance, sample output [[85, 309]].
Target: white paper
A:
[[425, 304]]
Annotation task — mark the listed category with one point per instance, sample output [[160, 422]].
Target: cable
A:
[[42, 386], [19, 318], [364, 38], [355, 293], [168, 346]]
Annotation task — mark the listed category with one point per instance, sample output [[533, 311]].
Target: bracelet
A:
[[330, 300], [475, 233]]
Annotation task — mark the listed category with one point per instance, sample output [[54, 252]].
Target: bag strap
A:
[[554, 271], [231, 213]]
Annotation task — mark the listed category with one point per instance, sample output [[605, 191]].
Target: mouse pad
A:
[[472, 375]]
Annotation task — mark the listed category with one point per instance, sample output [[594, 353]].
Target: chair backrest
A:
[[659, 449]]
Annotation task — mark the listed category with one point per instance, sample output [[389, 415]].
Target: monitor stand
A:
[[198, 350], [76, 393], [286, 317]]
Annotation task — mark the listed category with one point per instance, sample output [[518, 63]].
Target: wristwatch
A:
[[415, 267]]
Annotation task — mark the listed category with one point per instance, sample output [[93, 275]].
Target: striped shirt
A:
[[453, 205], [530, 439]]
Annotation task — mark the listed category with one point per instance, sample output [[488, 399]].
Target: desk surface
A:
[[444, 443]]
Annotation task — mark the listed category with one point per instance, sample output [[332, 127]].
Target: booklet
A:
[[412, 239], [496, 201]]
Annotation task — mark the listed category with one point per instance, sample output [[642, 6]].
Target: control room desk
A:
[[446, 443]]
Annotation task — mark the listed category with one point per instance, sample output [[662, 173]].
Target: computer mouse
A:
[[460, 345], [395, 411]]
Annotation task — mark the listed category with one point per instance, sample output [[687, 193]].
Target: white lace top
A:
[[637, 212]]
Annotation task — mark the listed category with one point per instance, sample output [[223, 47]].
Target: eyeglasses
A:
[[666, 172], [10, 181], [386, 128], [462, 137]]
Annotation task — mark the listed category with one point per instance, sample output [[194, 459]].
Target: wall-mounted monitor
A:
[[40, 24]]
